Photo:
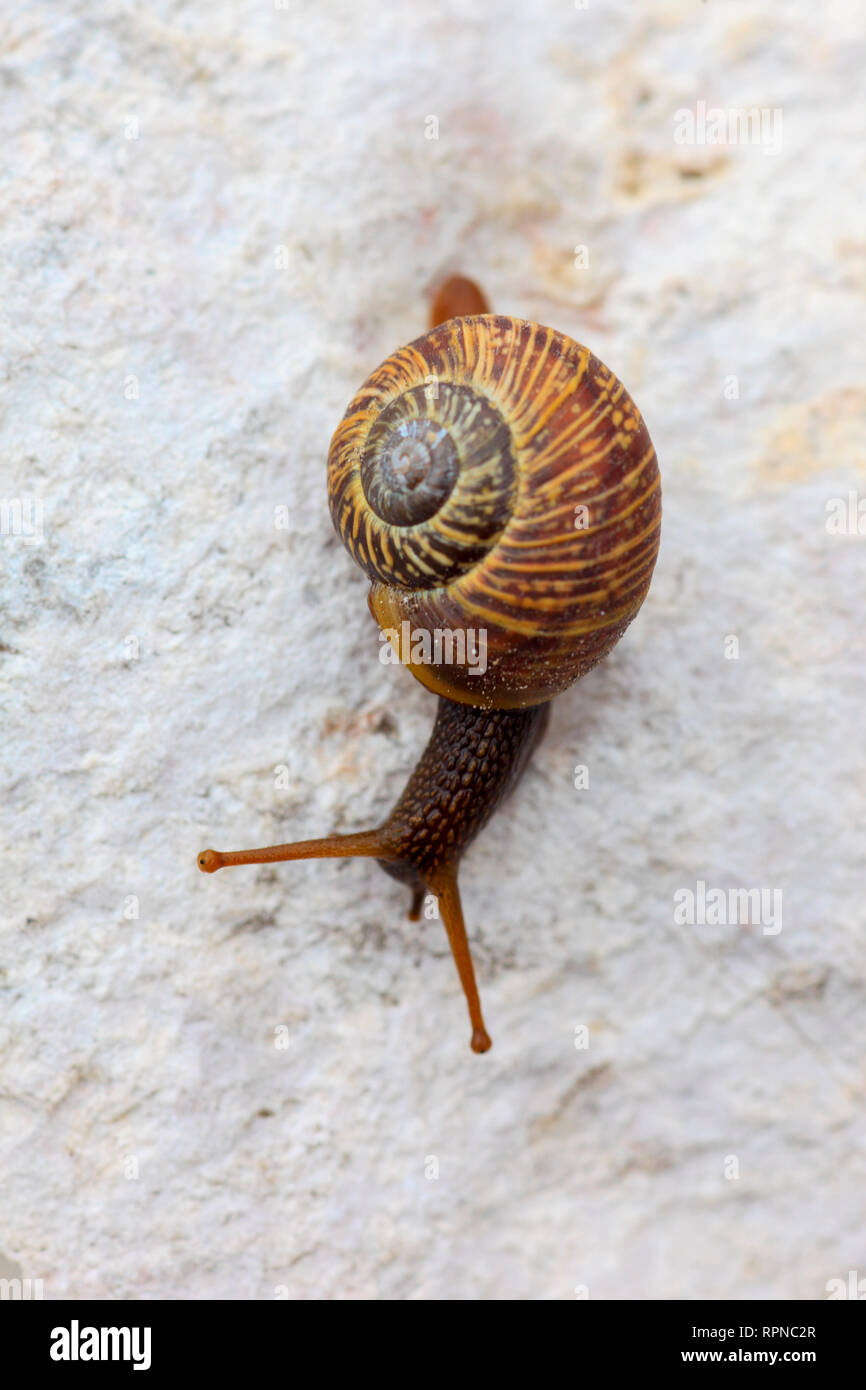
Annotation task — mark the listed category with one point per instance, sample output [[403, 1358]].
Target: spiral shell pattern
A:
[[495, 476]]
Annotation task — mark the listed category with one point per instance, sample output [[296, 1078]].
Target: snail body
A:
[[493, 477]]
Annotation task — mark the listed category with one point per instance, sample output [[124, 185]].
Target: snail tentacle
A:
[[472, 761]]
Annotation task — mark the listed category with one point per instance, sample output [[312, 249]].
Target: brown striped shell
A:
[[495, 476]]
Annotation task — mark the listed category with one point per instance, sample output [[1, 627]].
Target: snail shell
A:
[[494, 475]]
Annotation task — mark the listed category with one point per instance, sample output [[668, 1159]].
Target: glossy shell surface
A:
[[494, 477]]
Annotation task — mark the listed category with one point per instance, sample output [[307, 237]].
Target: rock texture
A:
[[217, 220]]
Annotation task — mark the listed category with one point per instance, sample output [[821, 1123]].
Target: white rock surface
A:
[[166, 386]]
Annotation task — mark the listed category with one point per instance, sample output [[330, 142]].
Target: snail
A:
[[493, 477]]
